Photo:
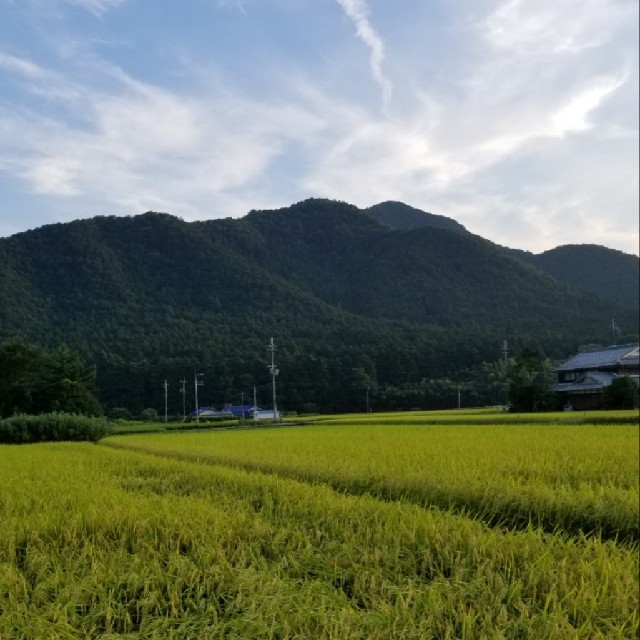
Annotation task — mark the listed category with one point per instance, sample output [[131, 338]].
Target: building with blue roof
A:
[[583, 378]]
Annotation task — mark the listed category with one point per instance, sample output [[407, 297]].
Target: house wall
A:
[[583, 401]]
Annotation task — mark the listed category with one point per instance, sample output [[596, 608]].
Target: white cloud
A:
[[145, 147], [573, 116], [532, 27], [528, 141], [357, 11], [21, 66]]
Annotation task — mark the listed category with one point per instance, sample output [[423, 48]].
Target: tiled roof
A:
[[567, 387], [633, 357], [599, 358], [600, 377], [592, 381]]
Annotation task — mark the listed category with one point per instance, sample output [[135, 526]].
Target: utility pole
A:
[[458, 396], [166, 394], [183, 391], [505, 353], [197, 383], [255, 405], [367, 399], [274, 372]]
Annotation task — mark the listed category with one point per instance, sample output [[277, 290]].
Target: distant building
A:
[[208, 412], [583, 379], [260, 415], [239, 410]]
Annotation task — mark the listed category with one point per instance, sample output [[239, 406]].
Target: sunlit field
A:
[[335, 531], [555, 476]]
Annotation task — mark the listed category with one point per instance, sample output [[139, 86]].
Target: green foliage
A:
[[149, 415], [622, 393], [608, 273], [531, 382], [52, 427], [34, 381], [120, 413], [401, 216]]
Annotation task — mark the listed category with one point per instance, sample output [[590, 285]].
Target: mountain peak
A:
[[398, 215]]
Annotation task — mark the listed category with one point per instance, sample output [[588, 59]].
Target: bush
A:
[[51, 427], [149, 415], [622, 393]]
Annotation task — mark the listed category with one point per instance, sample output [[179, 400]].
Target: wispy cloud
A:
[[358, 12], [240, 5], [21, 66], [97, 7], [144, 147], [529, 136], [531, 27]]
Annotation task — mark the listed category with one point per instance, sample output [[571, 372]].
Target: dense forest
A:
[[366, 309]]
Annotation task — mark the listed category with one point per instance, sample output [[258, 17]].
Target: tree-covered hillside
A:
[[355, 307], [608, 273], [401, 216]]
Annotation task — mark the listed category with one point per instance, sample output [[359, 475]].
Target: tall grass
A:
[[99, 543], [571, 478]]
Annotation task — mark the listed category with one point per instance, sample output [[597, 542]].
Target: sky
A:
[[517, 118]]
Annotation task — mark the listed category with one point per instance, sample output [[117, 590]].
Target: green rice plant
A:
[[123, 427], [104, 543], [571, 478], [485, 416]]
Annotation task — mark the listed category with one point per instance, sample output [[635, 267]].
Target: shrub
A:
[[622, 393], [51, 427]]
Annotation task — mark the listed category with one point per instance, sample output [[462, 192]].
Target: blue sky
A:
[[518, 118]]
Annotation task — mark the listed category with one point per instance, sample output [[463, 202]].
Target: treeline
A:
[[34, 381], [52, 427], [333, 382]]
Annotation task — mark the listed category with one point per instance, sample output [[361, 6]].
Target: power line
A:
[[274, 372]]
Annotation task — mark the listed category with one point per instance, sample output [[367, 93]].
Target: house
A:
[[207, 412], [583, 378], [239, 410], [260, 415]]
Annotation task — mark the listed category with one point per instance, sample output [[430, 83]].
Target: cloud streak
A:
[[97, 7], [523, 143], [357, 11]]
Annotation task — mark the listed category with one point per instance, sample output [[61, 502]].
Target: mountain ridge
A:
[[152, 295]]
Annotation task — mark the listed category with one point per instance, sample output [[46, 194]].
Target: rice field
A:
[[325, 531], [556, 477]]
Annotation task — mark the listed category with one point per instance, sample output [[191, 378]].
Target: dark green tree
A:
[[22, 367], [531, 382], [69, 385], [622, 393], [149, 415], [35, 381]]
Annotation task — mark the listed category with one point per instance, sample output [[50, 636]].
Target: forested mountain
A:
[[610, 274], [401, 216], [355, 307]]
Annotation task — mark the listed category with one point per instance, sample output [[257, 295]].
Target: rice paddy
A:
[[336, 531]]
